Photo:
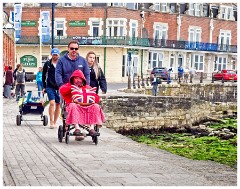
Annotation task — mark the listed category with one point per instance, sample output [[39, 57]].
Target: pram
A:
[[64, 130], [31, 105]]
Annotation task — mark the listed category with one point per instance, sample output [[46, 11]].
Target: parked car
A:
[[30, 76], [225, 75], [160, 72]]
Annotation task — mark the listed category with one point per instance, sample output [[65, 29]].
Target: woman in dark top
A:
[[97, 78], [8, 83]]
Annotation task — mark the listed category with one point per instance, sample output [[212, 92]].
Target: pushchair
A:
[[64, 129], [31, 104]]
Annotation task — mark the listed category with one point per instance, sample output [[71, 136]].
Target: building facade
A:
[[132, 38]]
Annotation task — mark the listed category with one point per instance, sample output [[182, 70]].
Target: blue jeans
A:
[[40, 87], [7, 91], [155, 90]]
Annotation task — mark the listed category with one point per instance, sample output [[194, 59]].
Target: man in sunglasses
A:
[[70, 62]]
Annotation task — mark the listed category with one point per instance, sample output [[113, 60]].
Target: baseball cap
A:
[[55, 51]]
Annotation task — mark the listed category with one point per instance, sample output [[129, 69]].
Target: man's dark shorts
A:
[[53, 94]]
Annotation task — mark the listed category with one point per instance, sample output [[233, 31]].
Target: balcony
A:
[[133, 41]]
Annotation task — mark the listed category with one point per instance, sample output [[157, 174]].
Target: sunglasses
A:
[[71, 48]]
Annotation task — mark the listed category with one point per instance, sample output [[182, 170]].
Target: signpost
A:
[[77, 23], [28, 61], [17, 20], [28, 23]]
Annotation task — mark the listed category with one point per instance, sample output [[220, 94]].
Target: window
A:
[[45, 58], [224, 40], [155, 59], [197, 62], [173, 7], [197, 9], [95, 28], [172, 58], [118, 4], [194, 37], [220, 63], [133, 24], [226, 12], [160, 30], [191, 9], [59, 28], [67, 4], [157, 6], [194, 9], [133, 6], [79, 4], [116, 27], [164, 7]]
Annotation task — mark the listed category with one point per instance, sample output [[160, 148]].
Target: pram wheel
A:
[[95, 139], [18, 119], [67, 138], [60, 133], [45, 120]]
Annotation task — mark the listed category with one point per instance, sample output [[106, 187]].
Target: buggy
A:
[[31, 105], [64, 129]]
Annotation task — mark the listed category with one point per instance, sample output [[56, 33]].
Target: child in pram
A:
[[81, 104]]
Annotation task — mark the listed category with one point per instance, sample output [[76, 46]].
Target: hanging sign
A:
[[45, 30], [17, 21]]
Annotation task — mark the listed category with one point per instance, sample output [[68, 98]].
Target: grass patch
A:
[[193, 147]]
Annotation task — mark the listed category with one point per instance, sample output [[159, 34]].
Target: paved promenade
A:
[[33, 157]]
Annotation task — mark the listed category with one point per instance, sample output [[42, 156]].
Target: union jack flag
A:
[[84, 95]]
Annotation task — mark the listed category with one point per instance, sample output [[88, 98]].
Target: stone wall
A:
[[128, 112], [213, 92]]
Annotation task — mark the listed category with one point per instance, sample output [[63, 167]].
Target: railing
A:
[[200, 77], [133, 41], [211, 91]]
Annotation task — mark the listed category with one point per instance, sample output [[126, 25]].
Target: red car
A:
[[225, 75]]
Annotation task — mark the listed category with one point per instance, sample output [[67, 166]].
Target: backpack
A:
[[20, 77]]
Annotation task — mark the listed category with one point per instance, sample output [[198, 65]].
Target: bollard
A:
[[134, 85], [147, 81], [212, 78], [143, 82], [138, 81], [129, 82], [201, 77]]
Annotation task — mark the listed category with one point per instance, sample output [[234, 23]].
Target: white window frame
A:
[[224, 34], [120, 25], [135, 5], [226, 12], [131, 23], [67, 4], [195, 30], [119, 4], [200, 60], [64, 27], [220, 63], [197, 11], [159, 59], [157, 6], [161, 27], [191, 9], [90, 23], [164, 7], [79, 4]]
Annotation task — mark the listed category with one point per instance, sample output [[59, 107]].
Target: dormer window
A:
[[226, 13]]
